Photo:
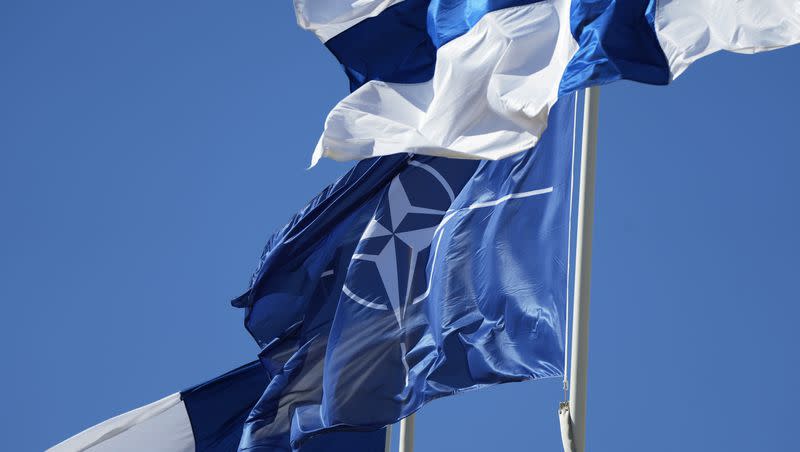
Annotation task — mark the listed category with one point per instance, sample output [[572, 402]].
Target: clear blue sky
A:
[[149, 148]]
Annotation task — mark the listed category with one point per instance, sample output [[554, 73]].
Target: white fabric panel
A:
[[328, 18], [162, 426], [692, 29], [489, 97]]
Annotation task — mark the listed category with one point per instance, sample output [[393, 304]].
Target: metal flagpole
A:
[[583, 270], [387, 446], [407, 434]]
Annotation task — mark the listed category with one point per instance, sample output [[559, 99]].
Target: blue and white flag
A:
[[208, 417], [409, 279], [477, 78]]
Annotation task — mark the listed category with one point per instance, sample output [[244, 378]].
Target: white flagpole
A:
[[407, 434], [387, 445], [583, 270]]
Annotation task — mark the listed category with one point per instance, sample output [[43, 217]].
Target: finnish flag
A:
[[477, 78], [208, 417]]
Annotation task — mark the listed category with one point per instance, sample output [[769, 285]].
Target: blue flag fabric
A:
[[217, 410], [409, 279]]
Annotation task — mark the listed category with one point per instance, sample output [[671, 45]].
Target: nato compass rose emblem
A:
[[387, 271]]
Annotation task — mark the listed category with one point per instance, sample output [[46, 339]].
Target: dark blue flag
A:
[[409, 279]]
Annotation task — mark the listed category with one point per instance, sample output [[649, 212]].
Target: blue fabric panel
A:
[[291, 262], [325, 236], [449, 19], [356, 441], [271, 426], [393, 46], [617, 40], [291, 304], [365, 344], [495, 308], [218, 408]]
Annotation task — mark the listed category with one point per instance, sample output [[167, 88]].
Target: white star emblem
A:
[[402, 234]]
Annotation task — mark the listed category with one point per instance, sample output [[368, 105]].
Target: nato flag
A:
[[412, 278]]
